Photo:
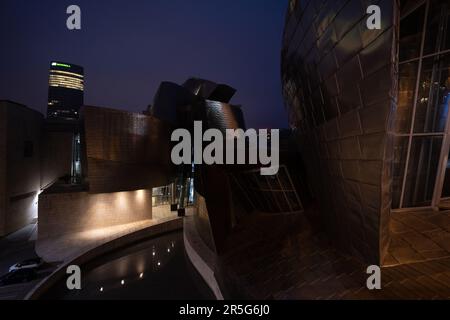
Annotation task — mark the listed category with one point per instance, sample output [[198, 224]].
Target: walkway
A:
[[301, 264], [419, 236], [63, 248]]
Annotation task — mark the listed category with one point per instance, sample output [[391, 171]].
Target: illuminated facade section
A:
[[66, 89], [66, 81]]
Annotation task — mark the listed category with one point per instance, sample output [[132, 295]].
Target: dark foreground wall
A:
[[20, 135], [340, 82]]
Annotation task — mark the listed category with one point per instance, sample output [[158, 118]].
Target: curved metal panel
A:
[[339, 83], [125, 151]]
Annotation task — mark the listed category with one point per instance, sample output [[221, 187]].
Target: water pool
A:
[[155, 269]]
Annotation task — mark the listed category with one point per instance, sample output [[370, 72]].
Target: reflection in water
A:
[[155, 269]]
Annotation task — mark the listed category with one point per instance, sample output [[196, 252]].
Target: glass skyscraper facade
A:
[[66, 90]]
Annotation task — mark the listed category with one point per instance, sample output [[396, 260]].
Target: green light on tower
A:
[[56, 64]]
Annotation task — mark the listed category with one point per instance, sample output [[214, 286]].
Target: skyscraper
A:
[[65, 92]]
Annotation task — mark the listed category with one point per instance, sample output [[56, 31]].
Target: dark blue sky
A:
[[128, 47]]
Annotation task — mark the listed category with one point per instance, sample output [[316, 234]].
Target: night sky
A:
[[128, 47]]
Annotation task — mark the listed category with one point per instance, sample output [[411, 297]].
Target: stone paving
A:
[[419, 236], [301, 264]]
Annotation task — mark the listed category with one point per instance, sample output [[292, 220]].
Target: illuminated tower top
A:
[[66, 90]]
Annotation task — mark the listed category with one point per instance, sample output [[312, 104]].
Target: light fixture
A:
[[122, 282], [159, 263], [141, 275], [101, 289]]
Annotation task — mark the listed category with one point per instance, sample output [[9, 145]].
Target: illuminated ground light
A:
[[122, 282], [159, 263], [141, 275], [101, 289]]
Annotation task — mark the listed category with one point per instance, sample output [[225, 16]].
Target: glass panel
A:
[[407, 5], [446, 187], [160, 196], [295, 205], [269, 204], [285, 182], [437, 36], [281, 199], [400, 151], [411, 34], [273, 181], [434, 89], [252, 181], [262, 180], [421, 176], [407, 84]]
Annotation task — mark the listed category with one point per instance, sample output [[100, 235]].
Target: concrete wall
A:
[[22, 170], [340, 85], [56, 156], [62, 213], [21, 211]]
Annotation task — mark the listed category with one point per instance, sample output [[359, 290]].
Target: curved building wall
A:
[[340, 88], [125, 151], [223, 116], [168, 97]]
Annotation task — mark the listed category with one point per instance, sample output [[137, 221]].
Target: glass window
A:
[[281, 200], [294, 203], [411, 34], [437, 36], [273, 181], [431, 107], [407, 85], [446, 185], [407, 5], [400, 152], [434, 89], [422, 170]]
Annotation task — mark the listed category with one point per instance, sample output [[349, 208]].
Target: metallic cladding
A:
[[125, 151], [340, 86]]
